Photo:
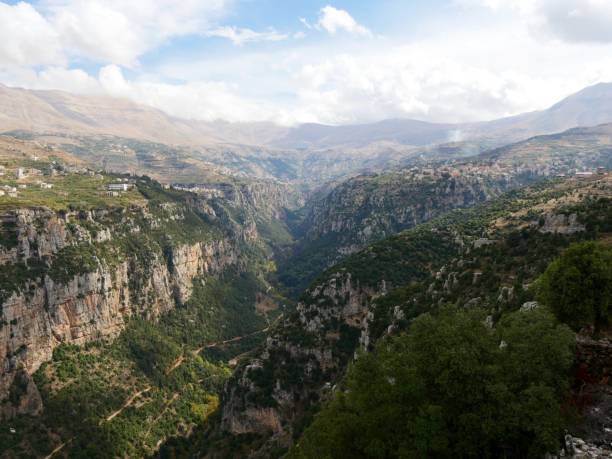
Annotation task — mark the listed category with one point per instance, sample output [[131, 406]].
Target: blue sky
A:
[[395, 18], [332, 62]]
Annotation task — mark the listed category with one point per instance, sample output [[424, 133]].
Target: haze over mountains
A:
[[61, 112]]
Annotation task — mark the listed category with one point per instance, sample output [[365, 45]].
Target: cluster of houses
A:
[[21, 174], [208, 191], [13, 191]]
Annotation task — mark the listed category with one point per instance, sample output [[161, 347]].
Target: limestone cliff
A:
[[74, 277], [299, 357], [369, 208]]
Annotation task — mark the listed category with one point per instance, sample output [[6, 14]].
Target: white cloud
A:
[[465, 78], [240, 36], [434, 79], [430, 80], [26, 38], [71, 80], [204, 100], [403, 82], [509, 57], [112, 80], [305, 22], [333, 20], [579, 21], [109, 31], [115, 31], [584, 21], [99, 32]]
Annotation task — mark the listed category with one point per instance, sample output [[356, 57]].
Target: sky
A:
[[291, 61]]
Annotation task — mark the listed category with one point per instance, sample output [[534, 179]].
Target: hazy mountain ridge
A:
[[57, 111], [51, 112]]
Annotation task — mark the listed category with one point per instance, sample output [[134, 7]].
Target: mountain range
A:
[[60, 112]]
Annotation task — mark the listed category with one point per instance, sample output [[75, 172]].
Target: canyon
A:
[[229, 289]]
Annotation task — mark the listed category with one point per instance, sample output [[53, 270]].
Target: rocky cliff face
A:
[[307, 350], [46, 303], [369, 208], [266, 198], [261, 198]]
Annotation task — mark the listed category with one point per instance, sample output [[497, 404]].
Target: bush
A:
[[577, 286], [448, 388]]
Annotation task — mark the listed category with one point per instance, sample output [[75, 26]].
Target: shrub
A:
[[577, 286], [448, 389]]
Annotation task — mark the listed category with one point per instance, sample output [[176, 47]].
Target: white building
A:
[[119, 186], [20, 173]]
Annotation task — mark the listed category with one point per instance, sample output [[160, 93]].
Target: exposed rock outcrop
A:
[[562, 224], [319, 339], [368, 208]]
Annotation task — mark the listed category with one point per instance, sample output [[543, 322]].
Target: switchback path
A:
[[178, 362], [159, 416], [231, 340], [127, 403], [58, 449]]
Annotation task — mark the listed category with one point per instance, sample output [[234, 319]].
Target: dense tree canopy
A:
[[577, 286], [451, 387]]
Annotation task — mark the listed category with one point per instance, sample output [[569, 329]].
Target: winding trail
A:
[[176, 395], [127, 403], [178, 362], [231, 340], [58, 449], [168, 403]]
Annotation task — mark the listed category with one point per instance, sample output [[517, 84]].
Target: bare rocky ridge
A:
[[346, 303]]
